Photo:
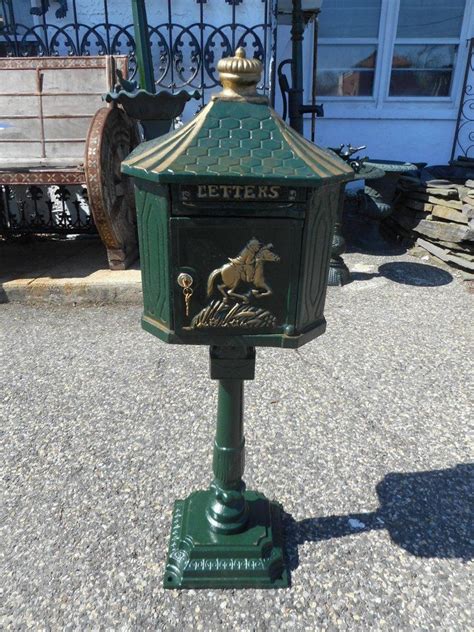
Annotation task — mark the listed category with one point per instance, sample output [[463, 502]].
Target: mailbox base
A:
[[201, 558]]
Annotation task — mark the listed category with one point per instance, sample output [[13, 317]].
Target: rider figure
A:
[[246, 259]]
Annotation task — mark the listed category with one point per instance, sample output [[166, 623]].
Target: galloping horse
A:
[[246, 267]]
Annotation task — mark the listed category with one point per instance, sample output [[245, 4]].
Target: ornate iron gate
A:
[[463, 144], [184, 55]]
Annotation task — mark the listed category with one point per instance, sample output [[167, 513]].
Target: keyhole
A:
[[185, 280]]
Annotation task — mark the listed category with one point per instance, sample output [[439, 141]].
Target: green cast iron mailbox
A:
[[235, 219]]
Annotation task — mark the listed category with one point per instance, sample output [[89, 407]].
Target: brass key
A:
[[185, 281]]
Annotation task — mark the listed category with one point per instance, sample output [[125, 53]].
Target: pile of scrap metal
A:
[[437, 209]]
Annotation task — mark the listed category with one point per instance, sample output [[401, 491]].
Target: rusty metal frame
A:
[[43, 177]]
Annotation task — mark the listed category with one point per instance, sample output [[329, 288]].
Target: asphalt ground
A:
[[363, 435]]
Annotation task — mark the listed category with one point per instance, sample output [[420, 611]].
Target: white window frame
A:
[[380, 104]]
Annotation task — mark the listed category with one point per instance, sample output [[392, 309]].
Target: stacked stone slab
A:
[[439, 214]]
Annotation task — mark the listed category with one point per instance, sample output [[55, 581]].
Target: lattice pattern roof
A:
[[234, 139]]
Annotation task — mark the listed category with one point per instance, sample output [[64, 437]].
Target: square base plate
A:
[[200, 558]]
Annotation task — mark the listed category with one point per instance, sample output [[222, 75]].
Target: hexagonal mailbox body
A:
[[235, 218]]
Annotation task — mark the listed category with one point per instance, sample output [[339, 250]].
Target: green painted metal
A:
[[234, 175], [246, 142], [235, 217], [153, 227], [170, 245], [321, 215], [143, 52], [155, 112], [338, 273], [227, 537], [201, 558], [283, 341], [227, 511]]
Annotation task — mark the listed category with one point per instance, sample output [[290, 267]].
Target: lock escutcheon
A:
[[185, 280]]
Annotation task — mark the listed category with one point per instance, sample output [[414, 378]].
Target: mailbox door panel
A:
[[244, 274]]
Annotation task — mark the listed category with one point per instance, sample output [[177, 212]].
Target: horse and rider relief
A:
[[240, 283]]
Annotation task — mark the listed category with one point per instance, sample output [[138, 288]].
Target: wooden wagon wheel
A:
[[112, 136]]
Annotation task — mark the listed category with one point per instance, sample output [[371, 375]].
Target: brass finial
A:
[[239, 76]]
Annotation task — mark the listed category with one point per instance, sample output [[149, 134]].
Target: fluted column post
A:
[[228, 509]]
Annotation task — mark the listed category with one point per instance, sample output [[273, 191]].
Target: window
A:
[[388, 48], [347, 49], [424, 67]]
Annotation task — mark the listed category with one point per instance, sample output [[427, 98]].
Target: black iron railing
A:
[[40, 209], [463, 144], [184, 55]]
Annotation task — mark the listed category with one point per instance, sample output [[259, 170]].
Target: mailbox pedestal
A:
[[235, 218], [227, 536]]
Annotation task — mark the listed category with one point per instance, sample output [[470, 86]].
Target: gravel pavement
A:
[[362, 435]]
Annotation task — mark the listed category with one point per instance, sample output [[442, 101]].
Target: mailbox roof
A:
[[235, 140]]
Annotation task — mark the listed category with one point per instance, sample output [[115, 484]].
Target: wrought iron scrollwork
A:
[[45, 209], [62, 43], [160, 53], [217, 45], [183, 55], [94, 41], [463, 144], [186, 57]]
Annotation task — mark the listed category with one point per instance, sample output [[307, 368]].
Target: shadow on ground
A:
[[407, 273], [429, 514], [59, 258], [370, 236]]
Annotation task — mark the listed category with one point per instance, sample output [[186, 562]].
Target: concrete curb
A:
[[64, 273], [71, 292]]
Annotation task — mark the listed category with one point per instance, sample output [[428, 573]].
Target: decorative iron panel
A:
[[41, 208], [184, 55], [463, 144]]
